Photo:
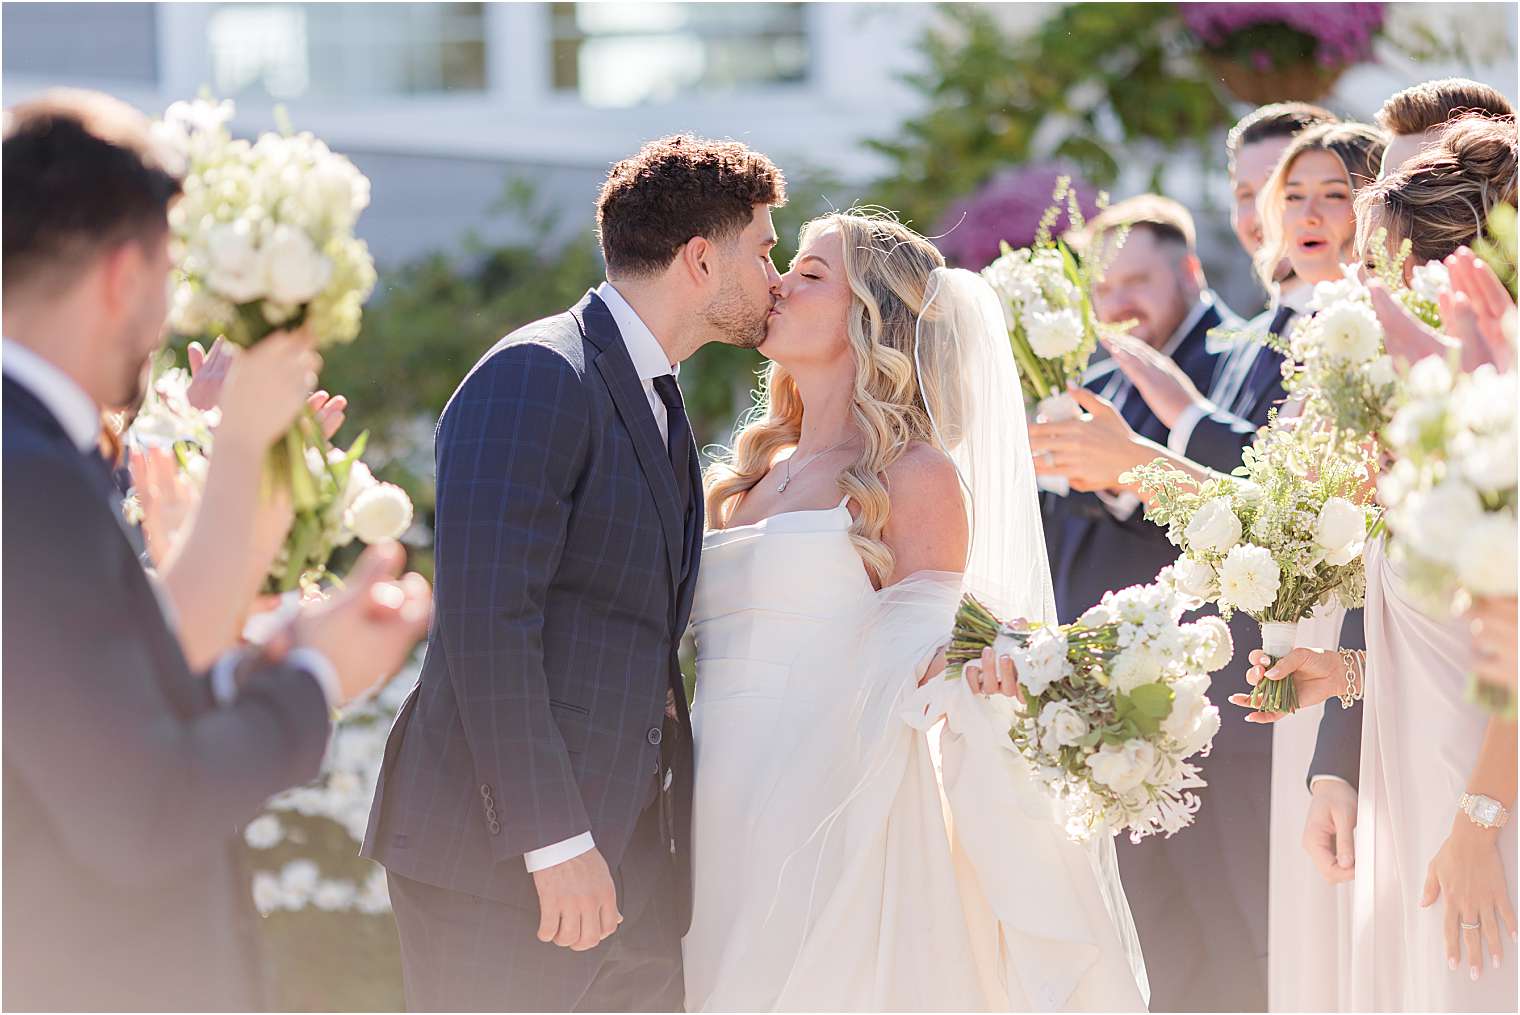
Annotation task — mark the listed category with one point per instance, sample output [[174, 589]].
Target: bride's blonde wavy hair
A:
[[887, 266]]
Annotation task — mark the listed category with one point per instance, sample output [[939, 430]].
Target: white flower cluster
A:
[[1339, 363], [1116, 704], [266, 225], [1284, 536], [365, 508], [340, 796], [1042, 306], [1451, 493]]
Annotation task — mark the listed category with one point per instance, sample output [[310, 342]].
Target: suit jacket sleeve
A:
[[511, 446], [103, 720], [1338, 746], [1219, 440]]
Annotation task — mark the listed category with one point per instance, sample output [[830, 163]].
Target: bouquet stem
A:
[[1280, 696]]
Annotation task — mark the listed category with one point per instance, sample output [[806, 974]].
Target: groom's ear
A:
[[698, 257]]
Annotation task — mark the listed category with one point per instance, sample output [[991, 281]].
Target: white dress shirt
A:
[[649, 362], [79, 416]]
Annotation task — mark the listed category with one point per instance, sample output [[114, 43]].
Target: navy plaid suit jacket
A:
[[564, 579]]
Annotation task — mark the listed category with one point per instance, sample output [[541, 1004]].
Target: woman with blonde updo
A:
[[884, 472]]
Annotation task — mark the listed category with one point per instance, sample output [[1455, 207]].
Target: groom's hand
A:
[[577, 902]]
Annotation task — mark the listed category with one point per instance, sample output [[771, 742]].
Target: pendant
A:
[[784, 484]]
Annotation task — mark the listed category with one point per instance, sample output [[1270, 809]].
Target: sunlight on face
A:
[[808, 323], [1253, 165], [1319, 223]]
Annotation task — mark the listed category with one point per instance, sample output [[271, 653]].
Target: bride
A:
[[851, 851]]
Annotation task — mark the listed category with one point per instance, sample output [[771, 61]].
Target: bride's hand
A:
[[1318, 673], [986, 678]]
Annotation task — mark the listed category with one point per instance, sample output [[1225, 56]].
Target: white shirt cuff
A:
[[224, 679], [1122, 505], [1177, 439], [321, 670], [559, 852], [1318, 778]]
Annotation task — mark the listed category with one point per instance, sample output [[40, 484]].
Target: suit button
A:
[[655, 736]]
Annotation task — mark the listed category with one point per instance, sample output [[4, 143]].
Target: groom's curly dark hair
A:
[[677, 188]]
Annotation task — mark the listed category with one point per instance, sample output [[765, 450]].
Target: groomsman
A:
[[1416, 116], [126, 775], [1199, 898]]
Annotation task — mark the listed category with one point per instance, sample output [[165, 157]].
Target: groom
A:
[[534, 803]]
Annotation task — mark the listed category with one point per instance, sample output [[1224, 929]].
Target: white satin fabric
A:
[[1308, 919], [852, 854], [1420, 742]]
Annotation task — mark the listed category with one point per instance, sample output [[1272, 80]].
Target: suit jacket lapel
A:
[[627, 392]]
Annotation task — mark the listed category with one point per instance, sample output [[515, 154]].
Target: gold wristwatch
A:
[[1483, 811]]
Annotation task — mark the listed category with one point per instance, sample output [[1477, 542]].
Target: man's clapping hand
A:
[[367, 630]]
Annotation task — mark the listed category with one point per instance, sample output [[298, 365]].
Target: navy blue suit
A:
[[567, 551], [124, 780], [1199, 898]]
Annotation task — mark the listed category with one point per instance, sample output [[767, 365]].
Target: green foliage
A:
[[1092, 80]]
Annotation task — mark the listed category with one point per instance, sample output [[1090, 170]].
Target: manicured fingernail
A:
[[1451, 964], [1474, 973], [1496, 962]]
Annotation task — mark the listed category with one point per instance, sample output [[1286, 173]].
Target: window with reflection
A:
[[288, 51], [613, 55]]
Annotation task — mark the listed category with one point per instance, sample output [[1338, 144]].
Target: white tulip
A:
[[380, 513], [1340, 524]]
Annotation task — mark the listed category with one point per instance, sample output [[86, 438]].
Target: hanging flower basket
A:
[[1303, 82], [1268, 52]]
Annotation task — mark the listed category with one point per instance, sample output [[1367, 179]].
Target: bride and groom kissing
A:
[[559, 831]]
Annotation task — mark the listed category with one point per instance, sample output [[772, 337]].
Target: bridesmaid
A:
[[1436, 854], [1307, 217]]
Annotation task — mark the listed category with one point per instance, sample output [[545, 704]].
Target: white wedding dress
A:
[[850, 854]]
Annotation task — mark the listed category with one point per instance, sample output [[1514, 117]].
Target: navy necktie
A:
[[679, 441]]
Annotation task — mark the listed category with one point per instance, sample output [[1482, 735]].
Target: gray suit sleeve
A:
[[103, 721]]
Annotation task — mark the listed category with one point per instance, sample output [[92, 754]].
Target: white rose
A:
[[335, 896], [1430, 280], [1249, 578], [1431, 517], [1195, 577], [1061, 726], [1490, 463], [234, 270], [1043, 662], [1097, 616], [1488, 555], [1134, 667], [1341, 524], [1430, 378], [382, 512], [1123, 767], [1214, 528], [1349, 332], [1216, 646], [1053, 334], [1190, 696], [294, 269], [300, 877]]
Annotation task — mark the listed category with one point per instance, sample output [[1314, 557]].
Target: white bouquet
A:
[[1044, 295], [1280, 537], [352, 504], [1113, 705], [1451, 493], [264, 239], [1336, 359]]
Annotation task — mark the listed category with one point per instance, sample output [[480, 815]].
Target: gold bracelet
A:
[[1355, 663]]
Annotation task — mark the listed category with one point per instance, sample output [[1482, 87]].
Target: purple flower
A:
[[1342, 33], [1007, 208]]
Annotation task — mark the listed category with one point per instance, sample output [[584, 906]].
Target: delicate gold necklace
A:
[[810, 460]]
